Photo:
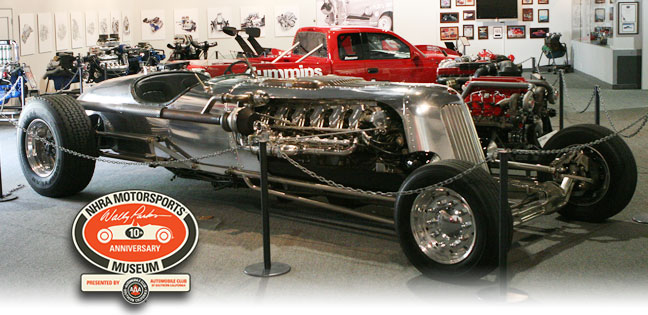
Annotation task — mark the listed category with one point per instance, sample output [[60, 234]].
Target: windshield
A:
[[309, 41]]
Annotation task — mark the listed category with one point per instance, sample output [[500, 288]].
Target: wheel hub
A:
[[443, 226], [41, 156]]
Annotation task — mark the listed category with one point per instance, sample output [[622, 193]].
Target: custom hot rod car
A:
[[377, 136]]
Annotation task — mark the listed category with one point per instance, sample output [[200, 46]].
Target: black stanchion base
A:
[[258, 270], [641, 218], [494, 294], [8, 197]]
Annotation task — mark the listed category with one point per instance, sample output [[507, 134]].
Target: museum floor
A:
[[552, 260]]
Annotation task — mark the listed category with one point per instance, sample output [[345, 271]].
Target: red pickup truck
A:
[[366, 52]]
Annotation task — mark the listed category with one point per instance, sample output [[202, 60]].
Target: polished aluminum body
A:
[[434, 117]]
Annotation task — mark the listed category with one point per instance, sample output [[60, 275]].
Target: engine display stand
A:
[[267, 268]]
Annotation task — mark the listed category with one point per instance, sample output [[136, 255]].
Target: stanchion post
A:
[[80, 70], [561, 103], [533, 65], [503, 232], [9, 196], [267, 268], [597, 105]]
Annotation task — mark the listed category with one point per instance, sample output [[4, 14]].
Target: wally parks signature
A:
[[127, 218]]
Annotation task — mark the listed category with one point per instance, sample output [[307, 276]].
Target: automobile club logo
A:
[[135, 233]]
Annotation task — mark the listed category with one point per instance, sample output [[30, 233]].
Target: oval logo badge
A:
[[135, 232]]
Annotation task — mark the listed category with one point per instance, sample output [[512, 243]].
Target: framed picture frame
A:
[[465, 3], [527, 15], [449, 33], [599, 15], [446, 4], [516, 31], [538, 32], [543, 15], [543, 1], [599, 1], [628, 19], [498, 32], [469, 15], [449, 17], [482, 32], [524, 2], [469, 31]]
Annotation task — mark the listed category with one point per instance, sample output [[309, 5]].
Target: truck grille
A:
[[462, 133]]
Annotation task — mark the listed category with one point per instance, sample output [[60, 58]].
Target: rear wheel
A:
[[61, 122], [452, 231], [386, 22], [610, 165]]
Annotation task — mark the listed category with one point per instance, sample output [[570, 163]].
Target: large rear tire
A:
[[611, 165], [451, 232], [60, 120]]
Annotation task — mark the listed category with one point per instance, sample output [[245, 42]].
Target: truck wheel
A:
[[610, 164], [61, 121], [452, 231], [386, 22]]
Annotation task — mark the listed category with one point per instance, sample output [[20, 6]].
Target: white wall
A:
[[415, 20], [644, 34]]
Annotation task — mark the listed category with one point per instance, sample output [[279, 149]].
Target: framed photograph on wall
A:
[[527, 15], [469, 15], [482, 32], [450, 33], [469, 31], [465, 3], [538, 32], [527, 1], [599, 15], [498, 32], [599, 1], [628, 18], [543, 1], [449, 17], [515, 31], [446, 4], [543, 15]]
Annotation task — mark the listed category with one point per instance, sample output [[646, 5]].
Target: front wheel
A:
[[48, 124], [451, 232], [610, 166], [386, 22]]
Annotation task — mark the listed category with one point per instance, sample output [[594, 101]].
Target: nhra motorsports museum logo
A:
[[135, 233]]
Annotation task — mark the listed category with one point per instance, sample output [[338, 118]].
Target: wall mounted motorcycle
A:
[[371, 136]]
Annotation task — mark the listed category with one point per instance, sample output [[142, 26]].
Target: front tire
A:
[[451, 232], [386, 22], [610, 164], [61, 121]]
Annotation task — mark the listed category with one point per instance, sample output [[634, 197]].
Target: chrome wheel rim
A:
[[384, 23], [443, 226], [40, 155]]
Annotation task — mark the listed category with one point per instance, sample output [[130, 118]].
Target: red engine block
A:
[[484, 104]]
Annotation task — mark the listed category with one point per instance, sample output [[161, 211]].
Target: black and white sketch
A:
[[62, 20], [127, 34], [186, 22], [27, 29], [253, 17], [77, 29], [286, 20], [45, 33], [91, 28], [153, 24], [104, 23], [217, 19], [115, 22], [377, 13]]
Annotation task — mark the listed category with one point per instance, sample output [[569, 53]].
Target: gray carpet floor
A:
[[553, 260]]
